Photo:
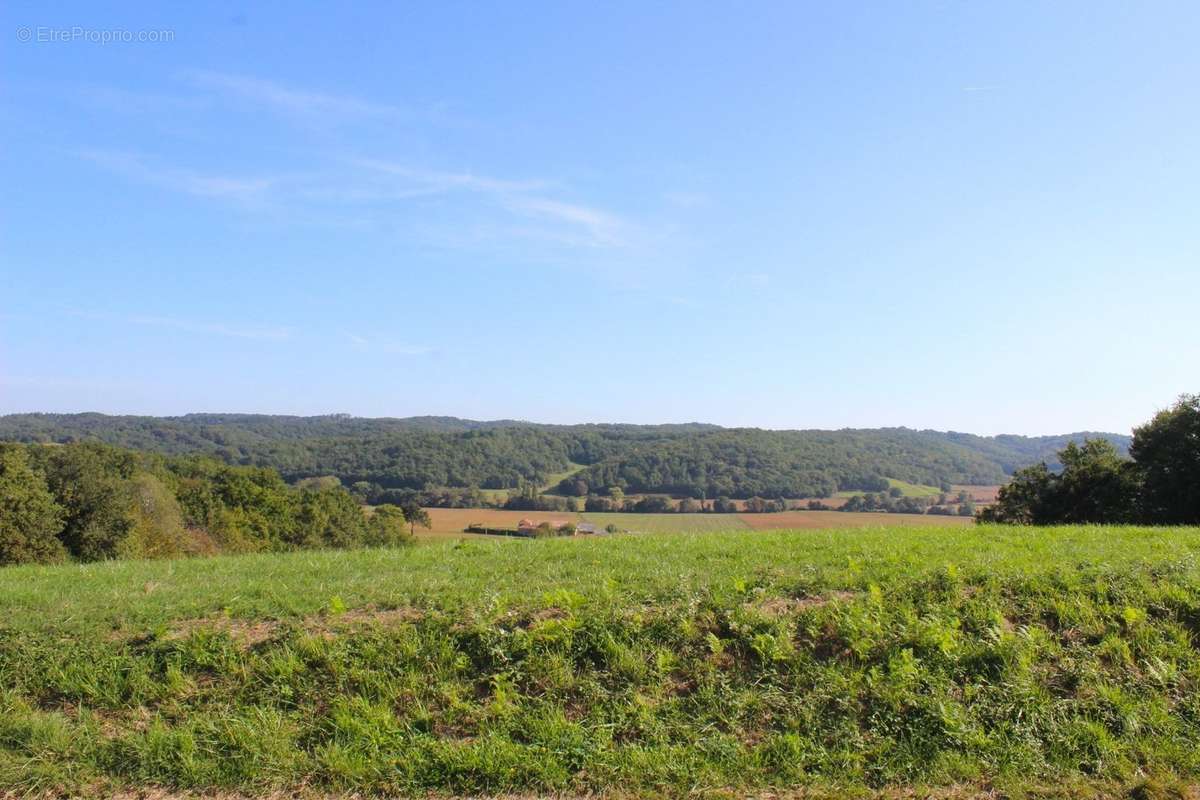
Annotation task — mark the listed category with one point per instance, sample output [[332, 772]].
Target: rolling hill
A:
[[685, 459]]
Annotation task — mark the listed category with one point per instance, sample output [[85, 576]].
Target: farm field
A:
[[448, 523], [911, 661], [818, 520], [907, 489], [982, 495]]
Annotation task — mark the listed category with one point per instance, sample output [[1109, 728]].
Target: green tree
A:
[[319, 482], [653, 504], [415, 515], [386, 527], [1024, 500], [30, 520], [618, 497], [1095, 485], [91, 483], [1167, 453], [328, 518]]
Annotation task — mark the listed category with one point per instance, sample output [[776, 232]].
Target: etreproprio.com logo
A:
[[78, 33]]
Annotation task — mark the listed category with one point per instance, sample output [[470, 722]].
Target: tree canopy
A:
[[90, 502], [1159, 484]]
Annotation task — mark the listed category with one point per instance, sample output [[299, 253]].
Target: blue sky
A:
[[969, 216]]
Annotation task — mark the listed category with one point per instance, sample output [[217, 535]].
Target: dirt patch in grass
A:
[[368, 615], [785, 606], [249, 633], [245, 632]]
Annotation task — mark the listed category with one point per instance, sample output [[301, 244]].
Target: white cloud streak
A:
[[336, 189], [137, 167], [276, 96], [395, 348], [234, 330]]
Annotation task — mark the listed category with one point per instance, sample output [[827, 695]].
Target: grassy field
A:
[[818, 520], [553, 480], [669, 523], [1061, 661], [913, 489], [906, 488]]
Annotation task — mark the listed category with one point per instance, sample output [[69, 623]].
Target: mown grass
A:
[[665, 664], [914, 489], [666, 523], [556, 478]]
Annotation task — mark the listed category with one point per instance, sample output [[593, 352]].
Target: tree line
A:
[[450, 461], [91, 502], [894, 501], [1158, 484]]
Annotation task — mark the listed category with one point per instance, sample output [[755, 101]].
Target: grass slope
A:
[[907, 489], [671, 664], [914, 489], [556, 478]]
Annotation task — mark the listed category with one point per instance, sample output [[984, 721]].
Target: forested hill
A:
[[688, 459]]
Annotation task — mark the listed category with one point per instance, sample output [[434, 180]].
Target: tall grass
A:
[[659, 663]]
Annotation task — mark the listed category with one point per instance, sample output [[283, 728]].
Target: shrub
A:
[[158, 530], [653, 504]]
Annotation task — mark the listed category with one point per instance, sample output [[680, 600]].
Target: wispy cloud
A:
[[340, 188], [235, 330], [437, 181], [603, 228], [386, 346], [138, 167], [276, 334], [279, 97], [125, 101], [523, 197], [747, 280], [41, 381], [684, 199]]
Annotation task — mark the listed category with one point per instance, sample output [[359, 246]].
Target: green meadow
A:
[[1025, 661], [666, 523]]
